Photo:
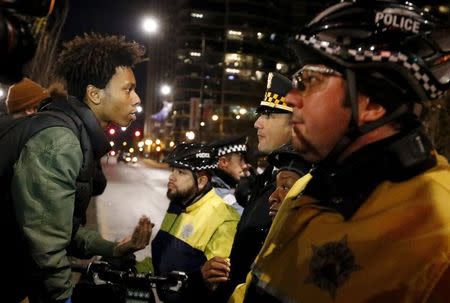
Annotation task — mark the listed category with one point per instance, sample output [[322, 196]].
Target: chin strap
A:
[[352, 95], [198, 194]]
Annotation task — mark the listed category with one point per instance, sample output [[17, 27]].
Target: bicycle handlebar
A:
[[174, 281]]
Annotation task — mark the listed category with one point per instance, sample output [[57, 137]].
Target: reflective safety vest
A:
[[186, 240]]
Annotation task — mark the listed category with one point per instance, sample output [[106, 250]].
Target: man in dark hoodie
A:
[[52, 160]]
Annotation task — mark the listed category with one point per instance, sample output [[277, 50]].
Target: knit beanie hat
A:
[[25, 94]]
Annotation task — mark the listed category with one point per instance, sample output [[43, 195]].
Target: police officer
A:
[[373, 223], [198, 224], [273, 130], [231, 167], [290, 167]]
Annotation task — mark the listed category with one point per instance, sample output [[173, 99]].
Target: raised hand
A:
[[138, 240]]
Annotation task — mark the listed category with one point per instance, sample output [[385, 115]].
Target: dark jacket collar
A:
[[344, 187], [225, 177], [70, 106]]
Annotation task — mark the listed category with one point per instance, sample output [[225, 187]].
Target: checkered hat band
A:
[[283, 107], [360, 55], [229, 149], [275, 100], [199, 168]]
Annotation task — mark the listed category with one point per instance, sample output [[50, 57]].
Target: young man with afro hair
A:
[[53, 177]]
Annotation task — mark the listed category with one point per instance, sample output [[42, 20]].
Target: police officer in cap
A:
[[231, 166], [273, 130]]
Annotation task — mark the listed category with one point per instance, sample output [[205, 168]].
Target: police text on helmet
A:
[[398, 21], [203, 155]]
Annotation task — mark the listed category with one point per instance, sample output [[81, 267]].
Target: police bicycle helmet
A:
[[193, 156], [393, 52]]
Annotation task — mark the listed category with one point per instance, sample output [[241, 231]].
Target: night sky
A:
[[112, 17]]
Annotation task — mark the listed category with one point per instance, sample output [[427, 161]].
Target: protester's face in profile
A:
[[319, 118], [120, 100], [285, 180], [274, 130], [181, 186], [233, 164]]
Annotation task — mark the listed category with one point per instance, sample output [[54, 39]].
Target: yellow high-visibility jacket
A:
[[189, 237], [394, 248]]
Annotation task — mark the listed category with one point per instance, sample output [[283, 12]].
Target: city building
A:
[[223, 51]]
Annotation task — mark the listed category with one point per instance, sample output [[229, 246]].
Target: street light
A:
[[166, 90], [150, 25], [242, 111], [190, 135]]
